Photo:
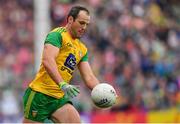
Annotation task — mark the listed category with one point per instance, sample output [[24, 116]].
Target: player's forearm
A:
[[91, 81], [51, 67]]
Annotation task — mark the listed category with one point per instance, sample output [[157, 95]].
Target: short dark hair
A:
[[75, 11]]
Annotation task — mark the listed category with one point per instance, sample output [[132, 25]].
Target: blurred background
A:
[[133, 44]]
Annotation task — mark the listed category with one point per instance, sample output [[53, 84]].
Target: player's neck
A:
[[71, 32]]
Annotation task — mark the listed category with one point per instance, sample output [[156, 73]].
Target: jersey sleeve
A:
[[54, 38], [85, 57]]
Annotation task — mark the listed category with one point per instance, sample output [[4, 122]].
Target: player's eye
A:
[[83, 23]]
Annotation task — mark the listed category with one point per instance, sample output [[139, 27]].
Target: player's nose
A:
[[84, 26]]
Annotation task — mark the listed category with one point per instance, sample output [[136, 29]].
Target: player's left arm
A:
[[87, 74]]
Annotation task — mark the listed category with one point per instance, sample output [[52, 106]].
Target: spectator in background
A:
[[16, 55]]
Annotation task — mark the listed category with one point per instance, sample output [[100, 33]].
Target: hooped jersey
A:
[[71, 52]]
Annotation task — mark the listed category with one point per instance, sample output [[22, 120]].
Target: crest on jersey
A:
[[34, 113]]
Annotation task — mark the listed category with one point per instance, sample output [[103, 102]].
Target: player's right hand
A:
[[69, 90]]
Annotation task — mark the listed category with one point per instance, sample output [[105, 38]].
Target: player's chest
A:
[[73, 47]]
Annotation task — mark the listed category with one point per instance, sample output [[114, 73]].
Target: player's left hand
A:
[[70, 90]]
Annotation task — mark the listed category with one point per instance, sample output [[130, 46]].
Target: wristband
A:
[[61, 84]]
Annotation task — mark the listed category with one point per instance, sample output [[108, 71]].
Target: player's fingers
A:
[[74, 92], [69, 94], [76, 89]]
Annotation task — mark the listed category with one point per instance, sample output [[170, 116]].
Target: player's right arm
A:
[[50, 53], [51, 50]]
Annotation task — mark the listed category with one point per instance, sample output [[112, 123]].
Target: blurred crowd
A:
[[133, 44], [16, 55]]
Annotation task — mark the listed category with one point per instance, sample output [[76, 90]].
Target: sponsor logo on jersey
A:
[[63, 68], [70, 61]]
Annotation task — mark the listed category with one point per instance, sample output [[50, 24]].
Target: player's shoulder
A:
[[82, 42], [83, 45], [59, 30]]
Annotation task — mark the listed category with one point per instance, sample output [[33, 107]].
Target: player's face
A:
[[80, 24]]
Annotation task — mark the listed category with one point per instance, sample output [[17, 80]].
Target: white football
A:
[[103, 95]]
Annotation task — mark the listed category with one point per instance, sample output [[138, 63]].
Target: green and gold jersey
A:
[[71, 52]]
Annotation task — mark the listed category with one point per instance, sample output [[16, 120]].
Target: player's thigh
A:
[[66, 114], [37, 106], [29, 121]]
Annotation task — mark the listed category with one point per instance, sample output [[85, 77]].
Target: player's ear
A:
[[70, 19]]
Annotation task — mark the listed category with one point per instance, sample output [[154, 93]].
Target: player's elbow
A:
[[45, 62]]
